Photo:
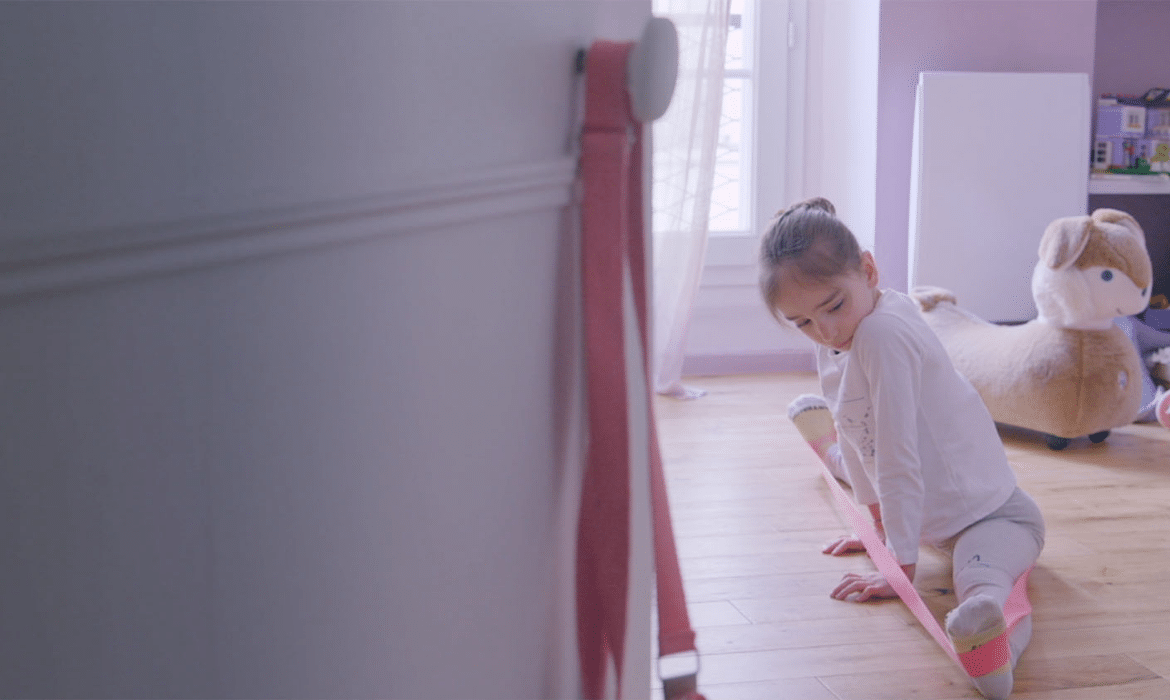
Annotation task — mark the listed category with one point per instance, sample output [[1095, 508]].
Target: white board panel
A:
[[996, 158]]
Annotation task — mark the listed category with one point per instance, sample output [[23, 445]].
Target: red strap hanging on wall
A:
[[614, 242], [603, 536]]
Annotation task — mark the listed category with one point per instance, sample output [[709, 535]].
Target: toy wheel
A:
[[1099, 437], [1056, 443]]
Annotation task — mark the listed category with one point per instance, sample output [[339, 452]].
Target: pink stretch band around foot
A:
[[987, 658], [991, 656], [820, 442]]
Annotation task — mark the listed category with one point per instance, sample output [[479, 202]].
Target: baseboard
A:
[[748, 363]]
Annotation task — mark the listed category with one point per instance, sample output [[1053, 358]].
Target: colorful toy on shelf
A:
[[1133, 133], [1158, 122], [1114, 119], [1160, 158]]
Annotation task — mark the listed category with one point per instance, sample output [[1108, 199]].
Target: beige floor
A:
[[751, 512]]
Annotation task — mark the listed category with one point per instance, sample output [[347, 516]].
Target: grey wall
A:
[[287, 376]]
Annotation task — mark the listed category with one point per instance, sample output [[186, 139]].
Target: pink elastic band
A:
[[1014, 610], [821, 442], [984, 659], [987, 658]]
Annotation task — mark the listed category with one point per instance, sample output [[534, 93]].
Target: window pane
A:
[[735, 36], [727, 195]]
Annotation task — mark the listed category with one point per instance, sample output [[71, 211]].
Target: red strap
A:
[[614, 241], [603, 536]]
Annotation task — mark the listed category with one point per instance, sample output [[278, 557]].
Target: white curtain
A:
[[684, 141]]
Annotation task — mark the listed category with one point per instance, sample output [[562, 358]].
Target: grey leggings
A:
[[992, 553]]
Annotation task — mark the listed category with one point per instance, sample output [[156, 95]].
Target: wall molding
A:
[[723, 275], [748, 363], [64, 261]]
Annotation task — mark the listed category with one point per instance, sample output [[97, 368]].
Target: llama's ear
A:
[[1064, 240], [1120, 218]]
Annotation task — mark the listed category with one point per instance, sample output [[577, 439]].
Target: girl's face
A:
[[829, 311]]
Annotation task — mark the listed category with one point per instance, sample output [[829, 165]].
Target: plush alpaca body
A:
[[1071, 371], [1064, 382]]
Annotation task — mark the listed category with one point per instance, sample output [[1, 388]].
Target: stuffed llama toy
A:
[[1071, 371], [1153, 347]]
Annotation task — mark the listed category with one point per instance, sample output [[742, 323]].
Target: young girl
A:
[[918, 446]]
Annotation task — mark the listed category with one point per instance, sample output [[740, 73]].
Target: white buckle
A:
[[679, 674]]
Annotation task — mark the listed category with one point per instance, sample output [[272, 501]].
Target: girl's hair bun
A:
[[809, 237], [818, 203]]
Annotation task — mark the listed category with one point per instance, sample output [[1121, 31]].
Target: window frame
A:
[[748, 74], [775, 154]]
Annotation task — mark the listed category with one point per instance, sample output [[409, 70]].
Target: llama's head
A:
[[1092, 269]]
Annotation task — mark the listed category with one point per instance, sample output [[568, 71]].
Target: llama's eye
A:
[[1107, 275]]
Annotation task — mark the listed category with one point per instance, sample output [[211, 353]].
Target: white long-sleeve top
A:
[[916, 438]]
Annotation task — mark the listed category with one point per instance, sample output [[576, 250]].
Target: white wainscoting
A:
[[326, 430]]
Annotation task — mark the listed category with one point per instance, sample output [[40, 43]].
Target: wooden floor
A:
[[751, 511]]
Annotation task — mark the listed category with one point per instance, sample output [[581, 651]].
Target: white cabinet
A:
[[996, 158]]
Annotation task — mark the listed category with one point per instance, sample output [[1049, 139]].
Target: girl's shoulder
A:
[[895, 310], [894, 325]]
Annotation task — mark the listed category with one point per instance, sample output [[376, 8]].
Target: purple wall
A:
[[1133, 50], [958, 35], [1133, 55]]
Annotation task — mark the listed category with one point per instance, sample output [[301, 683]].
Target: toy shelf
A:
[[1112, 183]]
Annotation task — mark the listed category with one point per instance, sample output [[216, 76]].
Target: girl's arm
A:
[[892, 361]]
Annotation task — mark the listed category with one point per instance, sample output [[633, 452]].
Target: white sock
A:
[[977, 621], [811, 416]]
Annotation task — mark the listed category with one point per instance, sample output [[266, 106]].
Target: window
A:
[[759, 153], [731, 197]]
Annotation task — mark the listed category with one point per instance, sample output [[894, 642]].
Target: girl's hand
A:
[[845, 544], [862, 587]]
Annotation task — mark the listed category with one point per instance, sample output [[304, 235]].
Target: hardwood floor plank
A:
[[796, 688], [716, 613], [1154, 689], [778, 542], [883, 685], [775, 586], [815, 608], [1129, 638], [1107, 676], [894, 658], [1066, 672], [1157, 661], [800, 633]]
